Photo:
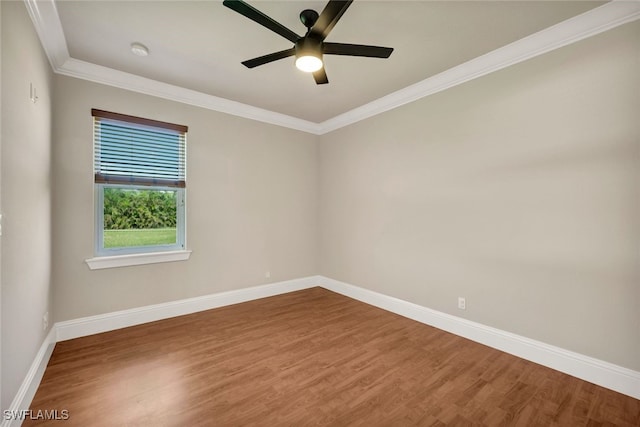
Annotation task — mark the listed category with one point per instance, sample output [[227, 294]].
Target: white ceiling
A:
[[198, 45]]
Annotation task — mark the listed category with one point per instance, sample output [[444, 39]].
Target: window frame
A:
[[133, 255], [181, 238]]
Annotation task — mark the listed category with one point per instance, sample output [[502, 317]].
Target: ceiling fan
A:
[[309, 49]]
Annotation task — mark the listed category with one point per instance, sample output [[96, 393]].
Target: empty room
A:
[[340, 213]]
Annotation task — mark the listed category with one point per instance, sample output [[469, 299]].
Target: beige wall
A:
[[519, 191], [251, 204], [26, 196]]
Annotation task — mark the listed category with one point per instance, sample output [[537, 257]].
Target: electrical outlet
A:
[[267, 275], [45, 321], [462, 303]]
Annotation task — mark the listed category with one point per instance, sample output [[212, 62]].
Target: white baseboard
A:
[[605, 374], [596, 371], [62, 331], [121, 319], [27, 390]]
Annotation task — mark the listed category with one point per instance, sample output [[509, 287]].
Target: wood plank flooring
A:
[[309, 358]]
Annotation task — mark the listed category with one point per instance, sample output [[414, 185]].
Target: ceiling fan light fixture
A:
[[308, 63], [308, 55]]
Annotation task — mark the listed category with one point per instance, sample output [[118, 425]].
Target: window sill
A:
[[99, 263]]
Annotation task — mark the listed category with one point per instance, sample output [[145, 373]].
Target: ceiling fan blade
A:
[[320, 77], [356, 50], [328, 18], [261, 60], [255, 15]]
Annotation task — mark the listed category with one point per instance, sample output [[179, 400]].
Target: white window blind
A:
[[137, 151]]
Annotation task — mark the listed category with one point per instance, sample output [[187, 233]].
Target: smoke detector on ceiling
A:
[[139, 49]]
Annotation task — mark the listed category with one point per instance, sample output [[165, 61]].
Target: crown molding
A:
[[108, 76], [46, 21], [590, 23]]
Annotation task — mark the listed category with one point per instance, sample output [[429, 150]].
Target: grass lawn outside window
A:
[[139, 237]]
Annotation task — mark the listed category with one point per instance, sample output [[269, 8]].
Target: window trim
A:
[[98, 263], [127, 256]]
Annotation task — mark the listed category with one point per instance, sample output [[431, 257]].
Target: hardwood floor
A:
[[309, 358]]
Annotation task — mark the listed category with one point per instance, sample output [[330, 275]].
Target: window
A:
[[140, 182]]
